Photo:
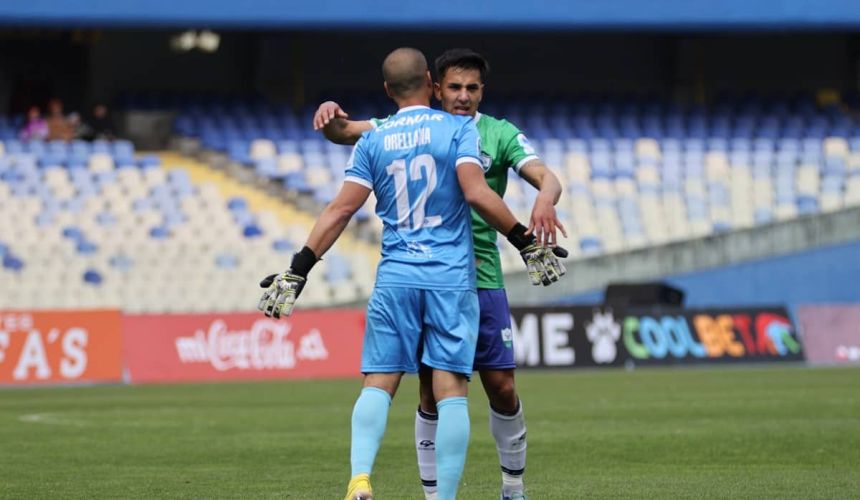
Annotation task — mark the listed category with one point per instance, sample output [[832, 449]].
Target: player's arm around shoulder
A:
[[336, 126]]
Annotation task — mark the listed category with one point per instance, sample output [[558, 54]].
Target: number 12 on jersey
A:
[[398, 169]]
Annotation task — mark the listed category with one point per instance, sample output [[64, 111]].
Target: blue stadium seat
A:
[[85, 247], [226, 261], [101, 146], [807, 205], [337, 269], [92, 277], [590, 245], [149, 161], [123, 152], [283, 245], [159, 232], [121, 262], [237, 203], [12, 262], [267, 168], [238, 152]]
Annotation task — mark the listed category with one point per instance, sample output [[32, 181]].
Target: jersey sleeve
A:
[[517, 149], [469, 144], [358, 166], [375, 122]]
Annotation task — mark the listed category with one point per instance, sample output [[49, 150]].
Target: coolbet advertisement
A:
[[601, 336]]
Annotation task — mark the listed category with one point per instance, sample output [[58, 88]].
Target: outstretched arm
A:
[[544, 221], [335, 125], [283, 289]]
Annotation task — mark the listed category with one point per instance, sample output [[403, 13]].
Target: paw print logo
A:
[[603, 332]]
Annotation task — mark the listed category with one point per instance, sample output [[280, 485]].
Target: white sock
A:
[[425, 447], [510, 434]]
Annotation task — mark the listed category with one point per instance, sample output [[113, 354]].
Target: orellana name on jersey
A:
[[407, 140], [409, 120]]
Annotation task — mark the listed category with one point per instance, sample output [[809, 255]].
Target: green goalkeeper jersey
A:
[[503, 146]]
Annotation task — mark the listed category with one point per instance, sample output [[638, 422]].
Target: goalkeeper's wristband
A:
[[303, 262], [517, 236]]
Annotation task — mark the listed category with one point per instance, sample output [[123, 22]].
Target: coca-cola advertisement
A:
[[198, 347]]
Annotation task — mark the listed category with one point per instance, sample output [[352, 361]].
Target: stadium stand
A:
[[95, 225], [638, 171], [161, 232]]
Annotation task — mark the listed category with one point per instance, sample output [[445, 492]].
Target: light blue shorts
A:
[[440, 326]]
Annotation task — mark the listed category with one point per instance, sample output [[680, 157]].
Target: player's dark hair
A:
[[462, 58]]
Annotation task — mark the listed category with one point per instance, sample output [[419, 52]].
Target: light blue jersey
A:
[[410, 163]]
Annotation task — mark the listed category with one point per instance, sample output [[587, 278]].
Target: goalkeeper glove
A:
[[541, 263], [551, 262], [283, 289]]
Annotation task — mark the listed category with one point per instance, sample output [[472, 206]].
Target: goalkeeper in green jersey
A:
[[461, 74]]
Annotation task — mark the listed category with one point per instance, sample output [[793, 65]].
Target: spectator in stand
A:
[[59, 127], [36, 127], [101, 123], [80, 129]]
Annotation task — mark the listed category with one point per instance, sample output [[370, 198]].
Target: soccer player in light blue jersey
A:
[[461, 77], [424, 167]]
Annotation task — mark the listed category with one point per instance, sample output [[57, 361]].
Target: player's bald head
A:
[[404, 71]]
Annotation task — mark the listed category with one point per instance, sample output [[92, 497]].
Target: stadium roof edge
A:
[[416, 15]]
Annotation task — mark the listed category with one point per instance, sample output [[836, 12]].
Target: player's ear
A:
[[387, 92], [437, 89]]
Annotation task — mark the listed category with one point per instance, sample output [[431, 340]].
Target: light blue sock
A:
[[369, 417], [452, 442]]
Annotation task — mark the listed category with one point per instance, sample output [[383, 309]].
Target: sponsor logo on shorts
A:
[[508, 338]]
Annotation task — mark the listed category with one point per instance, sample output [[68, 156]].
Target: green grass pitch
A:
[[770, 432]]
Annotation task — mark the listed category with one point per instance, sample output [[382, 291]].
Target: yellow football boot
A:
[[359, 488]]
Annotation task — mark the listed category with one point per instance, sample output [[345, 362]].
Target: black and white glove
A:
[[283, 289], [551, 262], [542, 264]]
